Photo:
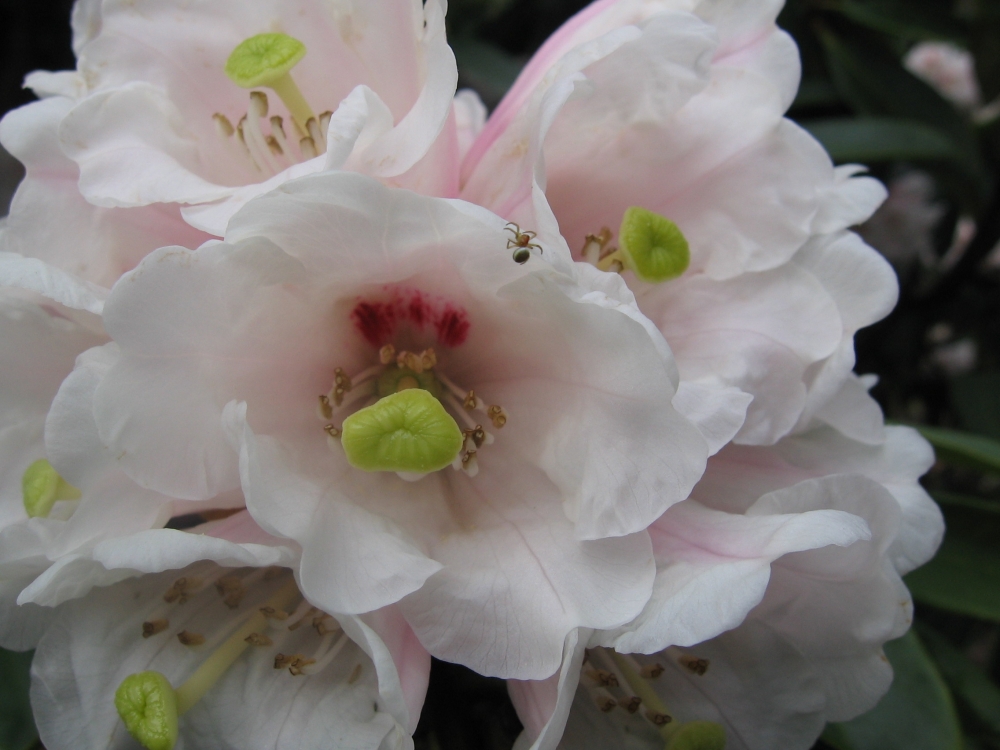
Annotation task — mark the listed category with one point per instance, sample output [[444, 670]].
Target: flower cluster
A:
[[312, 371]]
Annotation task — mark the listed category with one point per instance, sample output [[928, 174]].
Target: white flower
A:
[[808, 651], [763, 314], [566, 446], [150, 126], [238, 653]]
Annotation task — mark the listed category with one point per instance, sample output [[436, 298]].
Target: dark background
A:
[[937, 355]]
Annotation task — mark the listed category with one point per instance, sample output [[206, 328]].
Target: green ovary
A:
[[652, 246], [408, 431], [147, 705], [698, 735], [42, 487]]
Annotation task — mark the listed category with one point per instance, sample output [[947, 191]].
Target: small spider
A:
[[521, 242]]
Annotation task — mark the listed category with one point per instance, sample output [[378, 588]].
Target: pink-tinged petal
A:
[[717, 411], [851, 200], [520, 555], [713, 568], [543, 705], [403, 666], [353, 560]]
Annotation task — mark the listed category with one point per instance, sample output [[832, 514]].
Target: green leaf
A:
[[874, 139], [964, 576], [977, 399], [485, 67], [875, 83], [17, 727], [969, 684], [904, 19], [916, 714], [957, 499], [964, 448]]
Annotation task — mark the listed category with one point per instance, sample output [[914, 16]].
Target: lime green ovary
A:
[[42, 487], [408, 431], [652, 246], [147, 705]]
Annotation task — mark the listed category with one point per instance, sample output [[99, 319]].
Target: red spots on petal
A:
[[379, 321], [452, 326], [375, 321], [418, 311]]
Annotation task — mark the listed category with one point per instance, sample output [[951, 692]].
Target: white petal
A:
[[96, 642], [522, 556]]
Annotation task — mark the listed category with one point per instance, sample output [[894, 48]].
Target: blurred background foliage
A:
[[865, 96]]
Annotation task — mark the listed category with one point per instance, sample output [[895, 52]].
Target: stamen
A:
[[308, 148], [497, 416], [651, 671], [470, 465], [657, 718], [325, 624], [300, 614], [656, 711], [278, 133], [254, 146], [693, 664], [153, 627], [237, 147], [325, 407], [602, 677], [387, 354], [322, 662], [188, 638], [312, 127], [231, 590], [324, 125], [258, 639], [273, 614], [355, 674], [216, 665], [594, 244], [632, 704], [182, 590], [470, 402], [605, 703], [251, 126]]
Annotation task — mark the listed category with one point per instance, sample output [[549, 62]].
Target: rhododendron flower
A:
[[158, 121], [223, 657], [507, 430], [809, 624], [770, 299]]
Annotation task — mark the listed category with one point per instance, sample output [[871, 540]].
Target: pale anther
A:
[[308, 148], [658, 719], [258, 639], [188, 638], [693, 664], [605, 703], [273, 614], [602, 677], [471, 401], [152, 627], [181, 590], [387, 354], [325, 407], [497, 416], [651, 671], [298, 664], [231, 590]]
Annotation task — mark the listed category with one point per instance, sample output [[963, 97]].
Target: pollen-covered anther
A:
[[632, 704], [497, 416], [693, 664], [387, 354], [605, 703], [188, 638], [342, 379], [258, 639], [325, 407], [652, 671], [274, 614], [152, 627], [298, 664], [182, 590], [232, 591], [413, 361], [658, 719], [602, 677], [477, 435], [471, 402]]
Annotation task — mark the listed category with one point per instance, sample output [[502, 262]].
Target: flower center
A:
[[150, 706], [266, 61], [410, 421], [650, 245], [624, 689]]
